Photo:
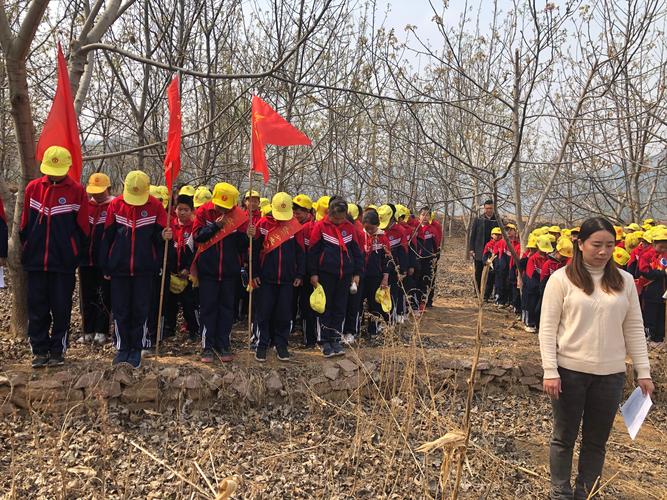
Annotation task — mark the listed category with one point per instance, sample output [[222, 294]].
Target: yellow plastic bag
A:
[[318, 300], [177, 284], [383, 297]]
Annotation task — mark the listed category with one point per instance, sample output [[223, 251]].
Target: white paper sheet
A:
[[2, 277], [634, 411]]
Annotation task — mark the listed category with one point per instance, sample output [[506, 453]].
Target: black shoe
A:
[[194, 337], [134, 358], [283, 353], [337, 349], [120, 357], [56, 359], [260, 354], [40, 360], [327, 350]]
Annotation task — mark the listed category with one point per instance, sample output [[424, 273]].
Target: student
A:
[[436, 227], [555, 261], [410, 227], [398, 262], [54, 224], [221, 231], [621, 258], [279, 257], [487, 254], [354, 301], [334, 261], [130, 256], [513, 292], [180, 256], [376, 251], [4, 235], [95, 290], [202, 195], [302, 206], [645, 242], [531, 249], [427, 249], [653, 268]]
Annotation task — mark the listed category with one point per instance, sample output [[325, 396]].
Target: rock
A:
[[89, 379], [199, 394], [123, 374], [142, 391], [192, 381], [529, 380], [44, 384], [7, 408], [537, 387], [65, 377], [14, 379], [336, 396], [452, 364], [273, 382], [169, 373], [229, 378], [348, 366], [506, 364], [485, 379], [350, 383], [482, 364], [331, 372], [531, 369], [214, 382], [496, 372], [20, 398], [105, 389]]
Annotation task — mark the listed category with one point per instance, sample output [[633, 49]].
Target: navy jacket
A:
[[97, 219], [376, 253], [54, 224], [282, 264], [334, 249], [398, 242]]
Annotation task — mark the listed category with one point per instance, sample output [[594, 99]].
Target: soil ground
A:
[[359, 448]]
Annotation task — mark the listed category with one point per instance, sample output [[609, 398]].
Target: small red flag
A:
[[172, 160], [61, 128], [268, 127]]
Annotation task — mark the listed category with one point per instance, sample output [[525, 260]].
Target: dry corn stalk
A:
[[452, 439]]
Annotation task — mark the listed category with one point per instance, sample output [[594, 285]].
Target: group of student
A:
[[379, 258], [640, 250]]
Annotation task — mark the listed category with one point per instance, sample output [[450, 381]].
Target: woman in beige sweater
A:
[[590, 321]]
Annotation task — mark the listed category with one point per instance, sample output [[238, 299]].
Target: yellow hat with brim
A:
[[510, 226], [136, 188], [225, 195], [202, 195], [532, 241], [321, 207], [554, 229], [98, 183], [251, 194], [659, 235], [265, 210], [648, 222], [383, 297], [619, 233], [633, 226], [575, 230], [385, 213], [544, 244], [353, 210], [56, 161], [303, 201], [164, 191], [621, 256], [496, 230], [187, 190], [281, 206], [565, 247], [632, 240], [402, 212], [372, 207], [318, 299]]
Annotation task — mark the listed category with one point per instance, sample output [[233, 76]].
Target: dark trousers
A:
[[353, 313], [49, 301], [424, 280], [130, 304], [95, 299], [490, 279], [431, 292], [273, 314], [411, 291], [654, 320], [501, 284], [330, 323], [514, 293], [216, 313], [529, 300], [593, 399], [308, 316], [187, 300], [370, 284], [154, 305]]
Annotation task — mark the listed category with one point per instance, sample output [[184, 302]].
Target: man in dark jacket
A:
[[480, 234]]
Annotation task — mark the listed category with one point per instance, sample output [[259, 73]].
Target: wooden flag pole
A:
[[160, 316], [250, 283]]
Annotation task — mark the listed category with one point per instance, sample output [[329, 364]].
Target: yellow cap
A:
[[619, 233], [383, 297], [566, 233], [202, 195], [659, 235], [281, 206], [136, 188], [575, 230], [321, 207], [402, 212], [251, 194], [510, 226], [225, 195], [318, 299], [621, 256], [56, 162], [633, 226], [164, 191], [264, 202], [187, 190], [496, 230], [544, 243], [374, 207], [385, 212], [353, 210], [98, 183], [632, 240], [532, 241], [265, 210], [565, 247], [303, 201], [554, 229], [647, 222]]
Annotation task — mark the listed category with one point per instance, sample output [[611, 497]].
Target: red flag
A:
[[268, 127], [172, 160], [61, 128]]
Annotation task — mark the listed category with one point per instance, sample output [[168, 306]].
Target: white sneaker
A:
[[348, 339], [100, 339], [400, 319], [86, 338], [530, 329]]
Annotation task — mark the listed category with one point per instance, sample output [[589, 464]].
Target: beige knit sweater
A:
[[591, 333]]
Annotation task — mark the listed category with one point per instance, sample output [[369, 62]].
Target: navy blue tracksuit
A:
[[398, 262], [219, 272], [334, 256], [376, 251], [277, 269], [131, 253], [54, 225]]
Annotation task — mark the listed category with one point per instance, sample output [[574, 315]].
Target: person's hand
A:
[[220, 221], [646, 385], [256, 282], [107, 277], [411, 271], [355, 280], [552, 387], [167, 234], [251, 231], [385, 281], [184, 273], [314, 280], [297, 282], [471, 254]]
